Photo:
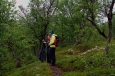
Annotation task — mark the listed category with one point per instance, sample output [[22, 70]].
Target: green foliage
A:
[[65, 21], [6, 14], [6, 18], [83, 48], [19, 38], [102, 71], [93, 63], [78, 64], [7, 66], [66, 64], [22, 38], [113, 27], [74, 73], [35, 68]]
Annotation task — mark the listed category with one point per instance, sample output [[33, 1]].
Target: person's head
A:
[[51, 32]]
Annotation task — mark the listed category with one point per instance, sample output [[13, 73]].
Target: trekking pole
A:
[[46, 52]]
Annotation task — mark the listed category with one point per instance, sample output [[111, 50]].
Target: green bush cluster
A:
[[35, 68]]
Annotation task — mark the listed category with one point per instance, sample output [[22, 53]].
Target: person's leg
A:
[[53, 58], [47, 51], [48, 55], [44, 54]]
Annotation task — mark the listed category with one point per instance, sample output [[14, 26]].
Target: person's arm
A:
[[43, 41]]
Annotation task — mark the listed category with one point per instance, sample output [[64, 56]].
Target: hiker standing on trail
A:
[[52, 48]]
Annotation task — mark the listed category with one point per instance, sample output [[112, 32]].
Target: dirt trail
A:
[[55, 71]]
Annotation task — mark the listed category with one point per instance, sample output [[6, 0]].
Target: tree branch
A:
[[100, 32]]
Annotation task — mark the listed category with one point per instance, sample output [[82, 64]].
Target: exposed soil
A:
[[55, 71]]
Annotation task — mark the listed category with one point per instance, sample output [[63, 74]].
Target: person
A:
[[48, 50], [42, 56], [52, 48]]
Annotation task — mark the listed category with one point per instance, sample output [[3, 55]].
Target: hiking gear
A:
[[56, 43], [52, 41]]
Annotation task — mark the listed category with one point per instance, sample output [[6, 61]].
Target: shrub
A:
[[102, 72]]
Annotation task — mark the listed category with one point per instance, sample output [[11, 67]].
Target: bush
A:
[[79, 64], [83, 48], [9, 66], [102, 72]]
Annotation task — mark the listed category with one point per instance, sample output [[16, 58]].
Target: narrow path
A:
[[55, 71]]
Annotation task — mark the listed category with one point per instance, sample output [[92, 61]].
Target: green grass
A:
[[86, 65], [33, 69], [102, 72], [74, 73], [69, 60]]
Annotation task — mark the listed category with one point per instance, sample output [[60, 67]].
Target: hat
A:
[[51, 31]]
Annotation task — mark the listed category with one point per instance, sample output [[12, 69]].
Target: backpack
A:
[[56, 43]]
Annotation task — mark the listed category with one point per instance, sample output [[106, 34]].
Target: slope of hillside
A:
[[87, 60], [79, 60]]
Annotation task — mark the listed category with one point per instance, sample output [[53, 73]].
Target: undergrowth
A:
[[80, 60], [87, 60], [30, 68]]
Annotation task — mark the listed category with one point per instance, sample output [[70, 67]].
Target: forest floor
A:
[[55, 70]]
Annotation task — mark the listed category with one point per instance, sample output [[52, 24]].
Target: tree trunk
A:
[[109, 15], [14, 55], [18, 63], [109, 36], [78, 38]]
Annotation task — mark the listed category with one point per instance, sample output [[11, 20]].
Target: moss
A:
[[102, 72], [32, 69], [74, 73]]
